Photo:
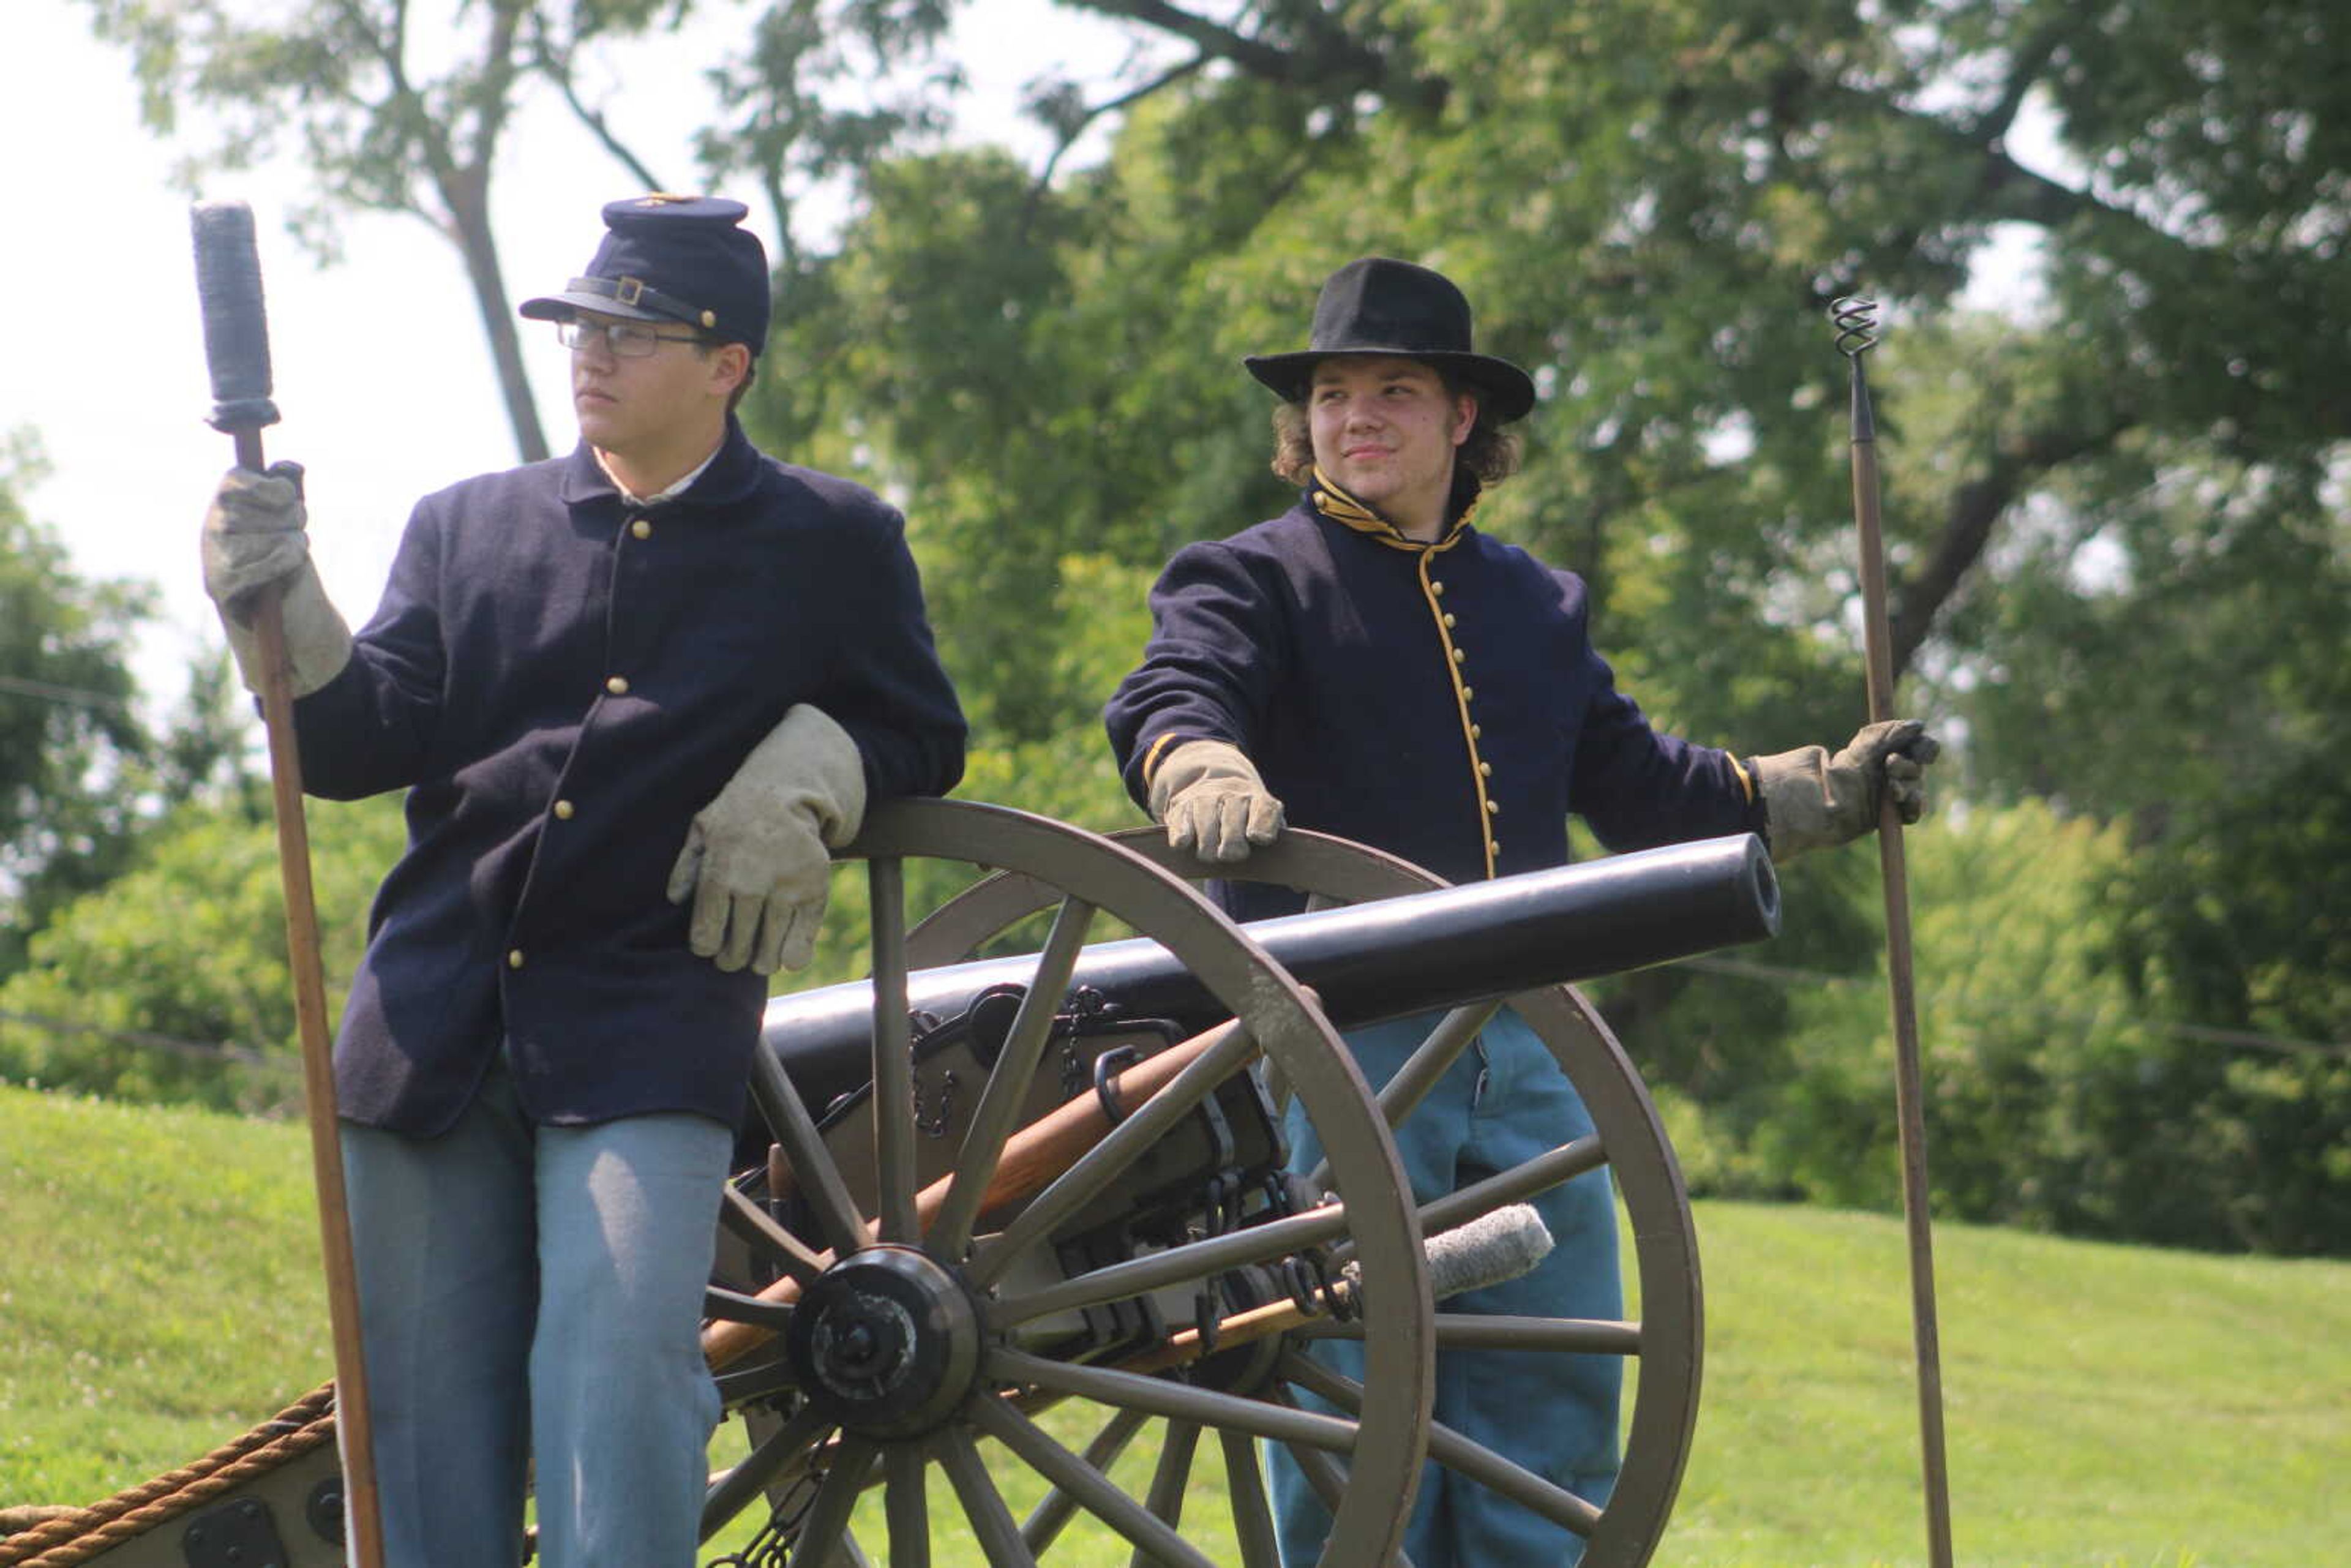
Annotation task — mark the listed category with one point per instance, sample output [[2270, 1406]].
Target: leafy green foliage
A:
[[2058, 1095], [71, 744], [190, 946]]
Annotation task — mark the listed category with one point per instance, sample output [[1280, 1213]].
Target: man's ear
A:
[[731, 363], [1465, 416]]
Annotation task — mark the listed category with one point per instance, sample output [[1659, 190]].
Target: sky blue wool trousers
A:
[[535, 1293], [1503, 1101]]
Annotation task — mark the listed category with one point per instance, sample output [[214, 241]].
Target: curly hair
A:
[[1491, 450]]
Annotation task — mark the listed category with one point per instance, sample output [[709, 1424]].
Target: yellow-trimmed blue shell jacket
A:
[[1442, 702], [562, 681]]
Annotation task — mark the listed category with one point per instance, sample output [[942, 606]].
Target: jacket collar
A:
[[1332, 501], [732, 474]]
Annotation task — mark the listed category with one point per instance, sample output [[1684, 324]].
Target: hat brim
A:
[[1509, 391], [564, 306]]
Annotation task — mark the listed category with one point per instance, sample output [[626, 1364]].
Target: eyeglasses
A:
[[624, 340]]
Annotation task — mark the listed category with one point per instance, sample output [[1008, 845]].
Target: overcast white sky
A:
[[379, 366]]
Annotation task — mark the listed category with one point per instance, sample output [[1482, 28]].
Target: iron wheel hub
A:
[[886, 1343]]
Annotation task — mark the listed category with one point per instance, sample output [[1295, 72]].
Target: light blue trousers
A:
[[533, 1292], [1502, 1103]]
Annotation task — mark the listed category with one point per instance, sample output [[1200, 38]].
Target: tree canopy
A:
[[2115, 494], [69, 726]]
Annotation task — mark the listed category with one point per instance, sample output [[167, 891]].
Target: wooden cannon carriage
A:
[[1070, 1216]]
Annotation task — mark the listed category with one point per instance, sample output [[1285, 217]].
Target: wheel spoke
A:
[[1159, 1397], [1252, 1515], [1177, 1265], [1007, 1091], [907, 1506], [723, 1305], [893, 1120], [1472, 1461], [1516, 1185], [1166, 1500], [758, 1470], [764, 1381], [1153, 1538], [1225, 1051], [1322, 1473], [1477, 1331], [983, 1505], [812, 1167], [755, 1225], [1055, 1508], [1424, 1067], [821, 1533]]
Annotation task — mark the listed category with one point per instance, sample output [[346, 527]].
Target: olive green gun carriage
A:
[[1063, 1265]]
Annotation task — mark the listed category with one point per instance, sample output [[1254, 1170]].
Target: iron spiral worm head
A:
[[1856, 320]]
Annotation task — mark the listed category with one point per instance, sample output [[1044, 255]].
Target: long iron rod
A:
[[1908, 1092]]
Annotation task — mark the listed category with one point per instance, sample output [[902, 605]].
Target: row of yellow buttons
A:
[[1485, 768]]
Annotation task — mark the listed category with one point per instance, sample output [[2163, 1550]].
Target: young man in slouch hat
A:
[[1372, 664], [634, 694]]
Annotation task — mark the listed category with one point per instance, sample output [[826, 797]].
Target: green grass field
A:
[[2107, 1407]]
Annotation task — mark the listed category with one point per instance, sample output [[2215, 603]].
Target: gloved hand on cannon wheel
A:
[[1813, 800], [757, 861], [1209, 796], [253, 541]]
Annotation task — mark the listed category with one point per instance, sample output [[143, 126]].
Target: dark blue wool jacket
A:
[[562, 682], [1440, 702]]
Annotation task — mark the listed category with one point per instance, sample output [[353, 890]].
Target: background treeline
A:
[[2115, 502]]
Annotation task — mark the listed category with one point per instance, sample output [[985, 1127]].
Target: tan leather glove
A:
[[756, 861], [253, 541], [1213, 802], [1811, 800]]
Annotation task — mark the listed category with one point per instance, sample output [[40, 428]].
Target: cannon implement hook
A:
[[1856, 320]]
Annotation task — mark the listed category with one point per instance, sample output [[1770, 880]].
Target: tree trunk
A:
[[469, 211]]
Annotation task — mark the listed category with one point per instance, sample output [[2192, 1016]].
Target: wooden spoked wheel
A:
[[890, 1327], [1631, 1143]]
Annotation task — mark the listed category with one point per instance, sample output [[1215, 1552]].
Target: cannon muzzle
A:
[[1367, 962]]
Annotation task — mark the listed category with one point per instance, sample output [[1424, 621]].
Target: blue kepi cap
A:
[[672, 258]]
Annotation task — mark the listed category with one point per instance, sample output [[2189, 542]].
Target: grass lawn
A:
[[2106, 1406]]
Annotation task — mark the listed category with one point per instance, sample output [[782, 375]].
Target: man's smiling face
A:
[[1386, 430]]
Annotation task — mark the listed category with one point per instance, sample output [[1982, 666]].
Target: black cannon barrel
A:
[[1368, 962]]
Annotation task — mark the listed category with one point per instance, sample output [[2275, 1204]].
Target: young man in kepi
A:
[[1372, 664], [635, 696]]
